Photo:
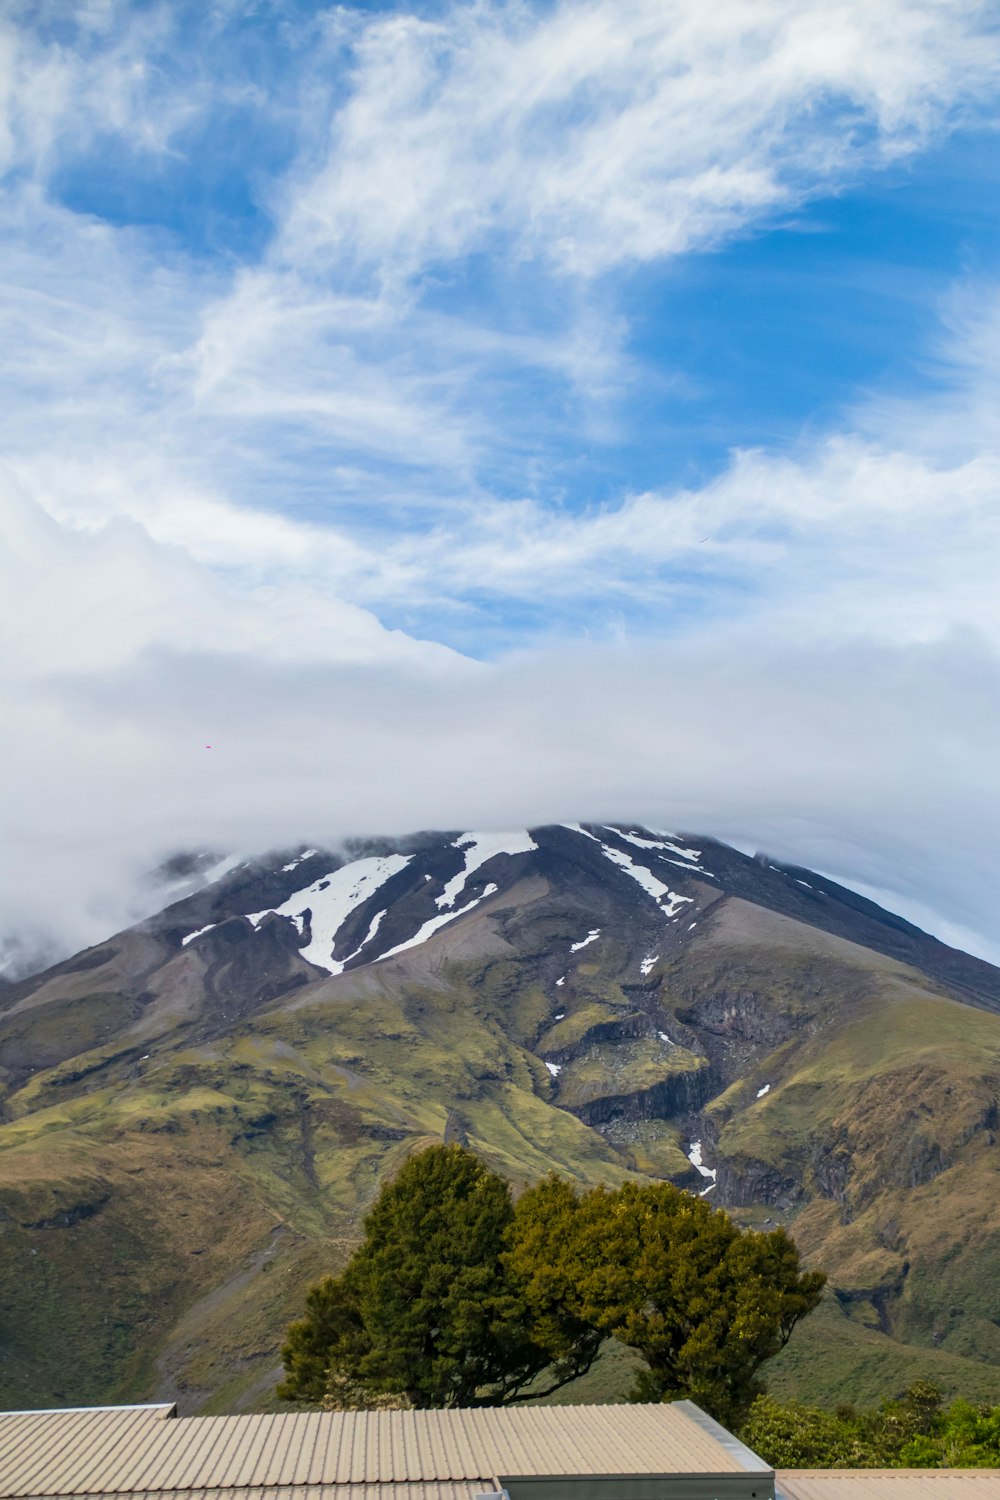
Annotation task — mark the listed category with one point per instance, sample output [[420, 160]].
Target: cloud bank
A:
[[309, 483]]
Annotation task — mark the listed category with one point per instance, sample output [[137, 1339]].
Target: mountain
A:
[[196, 1112]]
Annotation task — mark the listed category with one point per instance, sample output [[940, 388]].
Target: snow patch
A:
[[554, 1068], [591, 937], [561, 981], [431, 926], [687, 858], [331, 899], [694, 1157], [648, 962], [293, 864], [561, 1016], [765, 1090], [200, 933], [664, 1038], [374, 926], [669, 902], [579, 828], [478, 848]]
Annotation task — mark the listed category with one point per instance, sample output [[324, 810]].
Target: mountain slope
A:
[[196, 1113]]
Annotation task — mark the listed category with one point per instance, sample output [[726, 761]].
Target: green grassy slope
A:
[[172, 1177]]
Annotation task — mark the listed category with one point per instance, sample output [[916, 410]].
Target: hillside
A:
[[196, 1112]]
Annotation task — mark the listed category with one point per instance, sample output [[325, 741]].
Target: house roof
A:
[[146, 1453], [887, 1484]]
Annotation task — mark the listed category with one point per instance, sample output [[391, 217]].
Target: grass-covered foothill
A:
[[458, 1296]]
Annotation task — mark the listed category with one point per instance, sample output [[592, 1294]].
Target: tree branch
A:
[[540, 1395]]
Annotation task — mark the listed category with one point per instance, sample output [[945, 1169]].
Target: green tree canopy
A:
[[913, 1431], [703, 1301], [457, 1297], [427, 1306]]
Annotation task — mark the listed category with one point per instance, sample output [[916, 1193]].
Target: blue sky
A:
[[608, 386]]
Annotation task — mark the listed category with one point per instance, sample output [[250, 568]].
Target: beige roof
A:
[[136, 1453], [887, 1484], [465, 1489]]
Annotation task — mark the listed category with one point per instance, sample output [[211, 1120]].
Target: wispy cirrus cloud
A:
[[593, 134]]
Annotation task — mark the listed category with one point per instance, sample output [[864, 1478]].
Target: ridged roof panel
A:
[[135, 1452], [427, 1490], [887, 1484]]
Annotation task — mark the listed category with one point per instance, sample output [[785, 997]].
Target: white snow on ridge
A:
[[200, 933], [431, 926], [374, 926], [765, 1090], [331, 899], [591, 937], [579, 828], [687, 858], [665, 841], [554, 1068], [648, 962], [298, 860], [668, 901], [561, 981], [478, 848]]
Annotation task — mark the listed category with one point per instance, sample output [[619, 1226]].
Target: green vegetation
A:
[[178, 1166], [914, 1432], [428, 1307], [834, 1359], [457, 1297], [611, 1070], [703, 1302]]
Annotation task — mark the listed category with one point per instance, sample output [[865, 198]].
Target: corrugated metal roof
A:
[[465, 1489], [887, 1484], [129, 1453]]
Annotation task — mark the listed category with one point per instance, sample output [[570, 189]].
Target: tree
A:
[[456, 1297], [911, 1431], [427, 1307], [966, 1437], [789, 1435], [704, 1302]]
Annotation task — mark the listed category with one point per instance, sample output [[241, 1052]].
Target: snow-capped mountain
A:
[[197, 1111], [341, 911]]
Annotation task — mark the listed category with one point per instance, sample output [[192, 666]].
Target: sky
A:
[[490, 414]]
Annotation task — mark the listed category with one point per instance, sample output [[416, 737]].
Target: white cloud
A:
[[78, 606], [221, 474], [875, 763], [621, 130], [58, 96]]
